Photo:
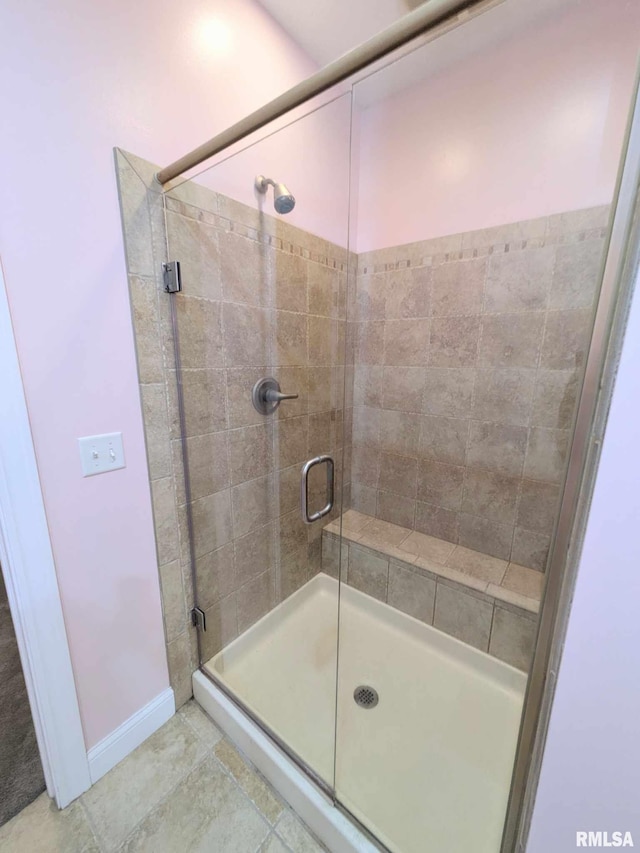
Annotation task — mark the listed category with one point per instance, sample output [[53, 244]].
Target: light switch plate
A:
[[100, 453]]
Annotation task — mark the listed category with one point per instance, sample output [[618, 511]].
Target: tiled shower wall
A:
[[260, 298], [468, 351]]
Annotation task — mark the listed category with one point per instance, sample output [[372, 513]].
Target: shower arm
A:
[[426, 17]]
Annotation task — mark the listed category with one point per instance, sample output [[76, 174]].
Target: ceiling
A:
[[325, 29]]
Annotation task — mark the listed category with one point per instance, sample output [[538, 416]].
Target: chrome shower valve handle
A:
[[267, 396]]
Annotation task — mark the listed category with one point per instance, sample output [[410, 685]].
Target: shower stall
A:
[[360, 399]]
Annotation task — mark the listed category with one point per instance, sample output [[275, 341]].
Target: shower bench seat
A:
[[488, 603]]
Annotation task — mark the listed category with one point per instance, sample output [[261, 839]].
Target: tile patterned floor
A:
[[187, 788]]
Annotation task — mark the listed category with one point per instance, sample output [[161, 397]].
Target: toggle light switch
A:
[[100, 453]]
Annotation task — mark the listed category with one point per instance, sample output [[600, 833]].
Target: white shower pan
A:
[[427, 769]]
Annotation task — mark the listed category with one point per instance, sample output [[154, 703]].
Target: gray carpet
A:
[[21, 778]]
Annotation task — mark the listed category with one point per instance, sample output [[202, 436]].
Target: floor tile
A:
[[295, 834], [122, 798], [206, 812], [201, 723], [253, 785], [42, 828]]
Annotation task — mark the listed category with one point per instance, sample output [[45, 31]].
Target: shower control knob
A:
[[267, 396]]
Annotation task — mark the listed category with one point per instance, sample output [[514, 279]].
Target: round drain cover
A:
[[366, 696]]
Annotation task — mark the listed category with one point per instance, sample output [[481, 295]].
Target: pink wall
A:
[[526, 126], [78, 78], [591, 769]]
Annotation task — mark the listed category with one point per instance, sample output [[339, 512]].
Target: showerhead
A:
[[283, 201]]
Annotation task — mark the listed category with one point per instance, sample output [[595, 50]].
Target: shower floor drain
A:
[[365, 696]]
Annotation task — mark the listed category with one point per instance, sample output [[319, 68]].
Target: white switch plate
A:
[[100, 453]]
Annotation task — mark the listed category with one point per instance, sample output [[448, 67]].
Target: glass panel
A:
[[264, 298], [486, 164]]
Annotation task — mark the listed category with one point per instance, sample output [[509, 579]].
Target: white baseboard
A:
[[134, 731]]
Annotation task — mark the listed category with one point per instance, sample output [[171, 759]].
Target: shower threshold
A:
[[427, 767]]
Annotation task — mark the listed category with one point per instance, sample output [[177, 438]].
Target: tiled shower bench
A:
[[485, 602]]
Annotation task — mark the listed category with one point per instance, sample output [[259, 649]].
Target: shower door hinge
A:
[[171, 277], [198, 619]]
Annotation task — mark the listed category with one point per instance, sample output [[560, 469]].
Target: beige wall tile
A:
[[576, 274], [240, 382], [454, 341], [399, 432], [165, 520], [406, 342], [212, 522], [554, 398], [173, 600], [335, 554], [402, 388], [396, 509], [408, 293], [253, 504], [323, 291], [222, 626], [538, 506], [254, 553], [208, 460], [463, 616], [511, 340], [181, 667], [457, 287], [530, 548], [156, 425], [483, 534], [200, 327], [250, 452], [205, 402], [499, 447], [368, 572], [519, 281], [247, 335], [490, 495], [546, 454], [448, 392], [504, 394], [254, 599], [566, 339], [146, 322], [444, 439], [215, 574], [512, 638], [246, 270], [437, 521], [411, 592], [398, 474], [291, 339], [195, 245], [440, 484]]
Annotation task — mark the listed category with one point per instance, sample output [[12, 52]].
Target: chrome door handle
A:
[[304, 489]]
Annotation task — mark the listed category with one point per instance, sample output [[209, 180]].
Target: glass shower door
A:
[[260, 413]]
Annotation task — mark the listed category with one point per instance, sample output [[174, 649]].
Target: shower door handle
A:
[[304, 488]]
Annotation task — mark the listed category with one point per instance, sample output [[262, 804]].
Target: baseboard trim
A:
[[134, 731]]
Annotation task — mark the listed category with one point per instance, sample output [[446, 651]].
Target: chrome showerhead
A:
[[283, 201]]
